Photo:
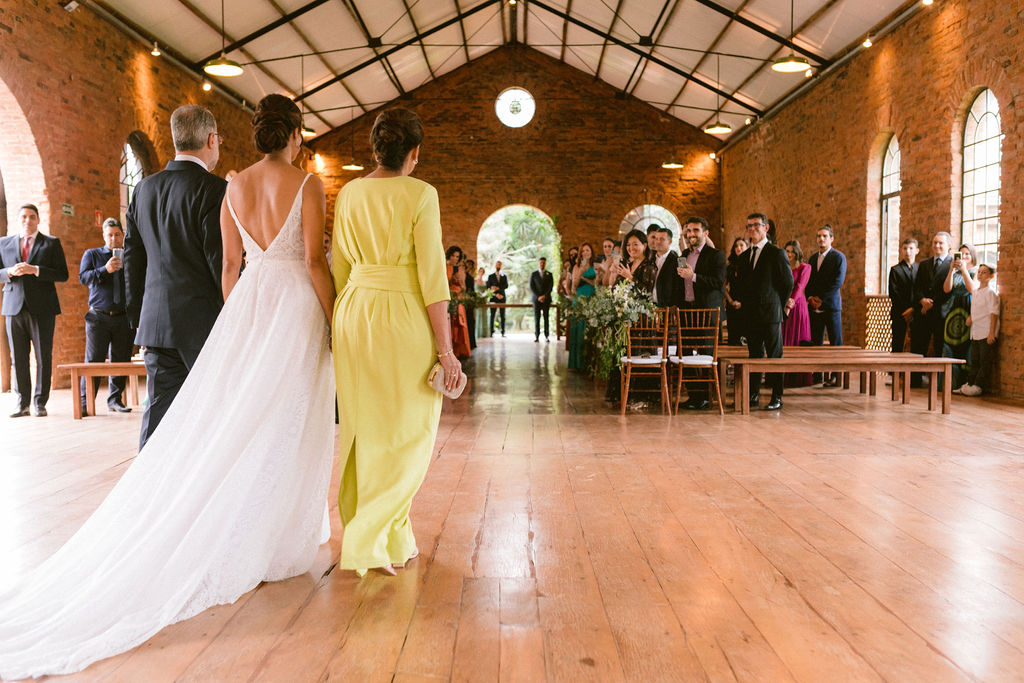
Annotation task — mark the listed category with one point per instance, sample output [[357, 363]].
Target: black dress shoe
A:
[[39, 412], [754, 401], [119, 408], [774, 404], [697, 405], [21, 412]]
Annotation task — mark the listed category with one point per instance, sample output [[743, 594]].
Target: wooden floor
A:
[[845, 538]]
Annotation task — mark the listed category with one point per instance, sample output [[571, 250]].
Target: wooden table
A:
[[901, 365], [726, 355], [132, 369]]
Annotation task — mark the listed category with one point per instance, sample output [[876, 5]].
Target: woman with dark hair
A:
[[733, 314], [565, 277], [230, 489], [796, 328], [456, 286], [584, 277], [638, 269], [960, 284], [391, 325], [469, 267]]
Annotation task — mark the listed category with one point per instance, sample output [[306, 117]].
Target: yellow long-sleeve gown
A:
[[388, 265]]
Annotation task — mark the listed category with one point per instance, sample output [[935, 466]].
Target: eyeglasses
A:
[[755, 225]]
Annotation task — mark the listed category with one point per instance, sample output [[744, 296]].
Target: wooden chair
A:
[[647, 356], [696, 349]]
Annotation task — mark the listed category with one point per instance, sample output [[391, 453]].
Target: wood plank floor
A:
[[845, 538]]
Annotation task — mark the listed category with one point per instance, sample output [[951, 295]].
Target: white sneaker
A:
[[970, 390]]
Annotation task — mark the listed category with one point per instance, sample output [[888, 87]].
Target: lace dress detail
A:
[[229, 491]]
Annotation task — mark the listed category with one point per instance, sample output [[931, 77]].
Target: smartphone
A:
[[957, 256]]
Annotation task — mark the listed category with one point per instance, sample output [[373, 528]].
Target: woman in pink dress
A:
[[796, 329]]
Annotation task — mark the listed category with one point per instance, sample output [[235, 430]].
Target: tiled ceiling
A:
[[696, 59]]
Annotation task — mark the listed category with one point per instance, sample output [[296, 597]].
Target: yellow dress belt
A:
[[388, 278]]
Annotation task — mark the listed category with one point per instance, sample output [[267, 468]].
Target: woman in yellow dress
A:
[[390, 326]]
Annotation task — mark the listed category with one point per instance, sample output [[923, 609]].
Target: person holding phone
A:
[[107, 332], [960, 285]]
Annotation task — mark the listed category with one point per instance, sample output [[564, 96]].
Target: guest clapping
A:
[[638, 269]]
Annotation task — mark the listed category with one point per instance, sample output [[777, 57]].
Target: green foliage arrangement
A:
[[608, 313]]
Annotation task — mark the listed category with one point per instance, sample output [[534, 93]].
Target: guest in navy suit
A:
[[30, 264], [824, 298], [172, 259], [106, 324]]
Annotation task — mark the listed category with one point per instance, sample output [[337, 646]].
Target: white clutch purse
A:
[[436, 381]]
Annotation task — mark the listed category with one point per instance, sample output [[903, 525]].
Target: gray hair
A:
[[191, 126]]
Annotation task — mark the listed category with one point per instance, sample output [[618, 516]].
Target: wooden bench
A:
[[726, 354], [900, 364], [133, 370]]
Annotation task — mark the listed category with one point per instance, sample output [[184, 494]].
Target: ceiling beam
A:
[[236, 44], [319, 56], [462, 29], [655, 36], [565, 29], [637, 51], [782, 40], [197, 13], [350, 5], [411, 41], [604, 45], [423, 47]]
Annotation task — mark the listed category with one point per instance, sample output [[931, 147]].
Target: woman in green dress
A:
[[960, 284], [584, 277], [390, 326]]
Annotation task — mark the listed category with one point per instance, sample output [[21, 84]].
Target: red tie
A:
[[24, 249]]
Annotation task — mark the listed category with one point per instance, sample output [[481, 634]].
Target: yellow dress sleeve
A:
[[340, 267], [430, 263]]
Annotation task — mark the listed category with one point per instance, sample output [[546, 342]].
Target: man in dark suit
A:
[[667, 261], [700, 284], [497, 282], [824, 297], [30, 262], [172, 259], [766, 281], [541, 284], [901, 293], [106, 324], [929, 298]]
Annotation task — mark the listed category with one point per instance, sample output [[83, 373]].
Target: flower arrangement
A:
[[469, 300], [608, 313]]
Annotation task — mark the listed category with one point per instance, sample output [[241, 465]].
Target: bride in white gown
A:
[[231, 488]]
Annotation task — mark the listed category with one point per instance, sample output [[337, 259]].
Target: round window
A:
[[515, 107]]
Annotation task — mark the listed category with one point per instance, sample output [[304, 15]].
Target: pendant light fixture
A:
[[222, 66], [791, 63], [718, 127], [156, 50], [306, 131], [353, 165], [672, 164]]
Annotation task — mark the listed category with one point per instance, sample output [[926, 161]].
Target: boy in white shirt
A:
[[984, 322]]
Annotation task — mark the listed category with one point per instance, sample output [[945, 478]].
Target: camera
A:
[[957, 256]]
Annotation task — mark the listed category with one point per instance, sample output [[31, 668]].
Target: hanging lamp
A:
[[353, 165], [719, 127], [222, 66], [306, 131], [791, 63]]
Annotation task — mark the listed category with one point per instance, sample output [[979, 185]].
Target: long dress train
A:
[[228, 492]]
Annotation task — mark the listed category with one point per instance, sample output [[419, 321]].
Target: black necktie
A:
[[753, 256]]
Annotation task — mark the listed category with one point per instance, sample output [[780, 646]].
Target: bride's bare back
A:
[[263, 194]]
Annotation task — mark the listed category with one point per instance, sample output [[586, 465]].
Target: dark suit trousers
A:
[[765, 341], [26, 331], [538, 309], [501, 314], [925, 329], [827, 321], [166, 370], [107, 334], [899, 333]]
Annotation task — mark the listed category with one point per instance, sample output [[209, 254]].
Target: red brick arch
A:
[[20, 163]]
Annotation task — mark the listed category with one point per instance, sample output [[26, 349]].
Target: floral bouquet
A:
[[469, 300], [608, 314]]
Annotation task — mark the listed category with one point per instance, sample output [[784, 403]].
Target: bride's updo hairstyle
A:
[[274, 122], [395, 133]]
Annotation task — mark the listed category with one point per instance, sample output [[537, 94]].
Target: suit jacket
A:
[[541, 285], [35, 293], [827, 276], [901, 288], [764, 289], [172, 256], [709, 287], [501, 282], [928, 284], [667, 281]]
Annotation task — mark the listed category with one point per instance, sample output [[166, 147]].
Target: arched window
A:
[[981, 182], [131, 174], [889, 239], [646, 214]]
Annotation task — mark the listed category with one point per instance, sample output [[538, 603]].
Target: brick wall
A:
[[818, 161], [72, 89], [585, 159]]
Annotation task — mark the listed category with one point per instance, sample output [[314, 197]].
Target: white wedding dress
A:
[[229, 491]]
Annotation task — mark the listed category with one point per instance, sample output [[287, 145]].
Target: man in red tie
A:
[[30, 264]]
